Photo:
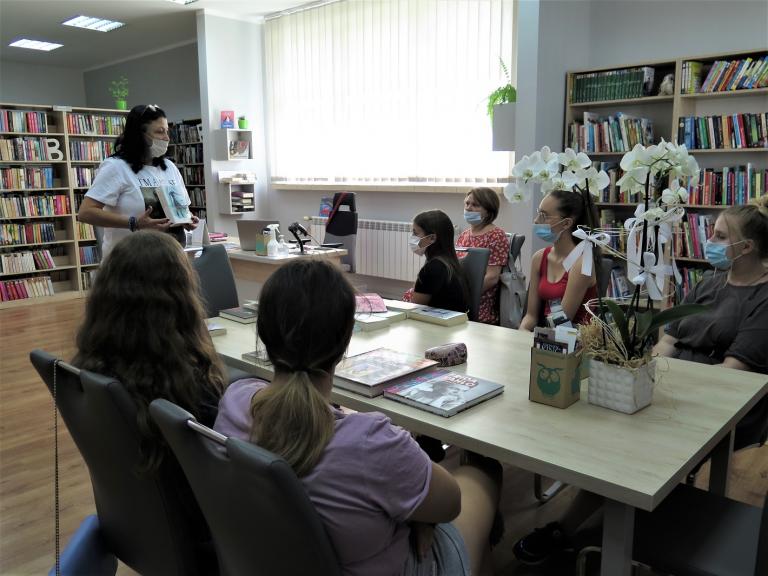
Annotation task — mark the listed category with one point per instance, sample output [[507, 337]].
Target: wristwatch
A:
[[132, 225]]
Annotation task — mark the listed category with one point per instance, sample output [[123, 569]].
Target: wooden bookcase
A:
[[48, 157], [186, 151], [667, 112]]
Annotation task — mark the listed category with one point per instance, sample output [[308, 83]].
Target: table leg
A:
[[618, 538], [720, 466]]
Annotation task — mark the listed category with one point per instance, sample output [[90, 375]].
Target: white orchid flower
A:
[[544, 170], [635, 158], [674, 195], [516, 193], [596, 180], [547, 154], [523, 169], [653, 215], [573, 161], [633, 179], [554, 183], [571, 178]]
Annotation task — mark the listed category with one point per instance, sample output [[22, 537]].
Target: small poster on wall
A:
[[227, 118]]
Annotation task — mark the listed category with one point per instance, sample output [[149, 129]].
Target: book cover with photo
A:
[[442, 392], [239, 149], [227, 119], [369, 372], [167, 201], [438, 316]]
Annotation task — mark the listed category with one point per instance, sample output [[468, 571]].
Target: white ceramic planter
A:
[[618, 388], [504, 127]]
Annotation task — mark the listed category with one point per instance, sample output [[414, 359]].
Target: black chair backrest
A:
[[151, 523], [217, 281], [260, 515], [342, 221], [475, 263]]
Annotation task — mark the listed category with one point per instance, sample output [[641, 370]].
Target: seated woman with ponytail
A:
[[560, 213], [371, 484]]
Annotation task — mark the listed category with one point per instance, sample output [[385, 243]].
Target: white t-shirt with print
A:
[[119, 189]]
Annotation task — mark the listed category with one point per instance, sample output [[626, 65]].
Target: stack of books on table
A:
[[427, 313], [240, 314], [370, 372]]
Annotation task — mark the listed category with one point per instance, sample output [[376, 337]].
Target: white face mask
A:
[[413, 244], [158, 147]]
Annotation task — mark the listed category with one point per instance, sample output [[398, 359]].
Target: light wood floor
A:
[[26, 455]]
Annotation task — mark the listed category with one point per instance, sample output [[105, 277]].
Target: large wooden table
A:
[[634, 461]]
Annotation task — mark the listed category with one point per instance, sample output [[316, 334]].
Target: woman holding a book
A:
[[553, 291], [481, 207], [441, 282], [386, 507], [136, 172]]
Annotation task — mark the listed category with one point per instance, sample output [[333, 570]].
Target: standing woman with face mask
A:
[[114, 200], [481, 206], [560, 213], [441, 282]]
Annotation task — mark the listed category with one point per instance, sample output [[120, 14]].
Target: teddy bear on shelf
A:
[[667, 86]]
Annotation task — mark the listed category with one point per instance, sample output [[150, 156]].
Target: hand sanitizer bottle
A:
[[272, 246], [282, 247]]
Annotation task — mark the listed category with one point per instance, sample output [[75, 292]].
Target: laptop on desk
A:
[[251, 234]]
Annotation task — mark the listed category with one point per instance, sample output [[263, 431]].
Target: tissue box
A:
[[555, 378]]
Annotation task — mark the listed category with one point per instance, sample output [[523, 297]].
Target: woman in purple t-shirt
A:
[[374, 488]]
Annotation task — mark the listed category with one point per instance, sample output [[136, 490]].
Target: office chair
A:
[[474, 265], [86, 553], [217, 281], [342, 227], [698, 533], [260, 515], [151, 522]]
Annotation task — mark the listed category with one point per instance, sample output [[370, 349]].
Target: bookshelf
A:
[[698, 113], [186, 151], [237, 187], [48, 156]]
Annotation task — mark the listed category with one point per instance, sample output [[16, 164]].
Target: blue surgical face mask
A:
[[717, 254], [472, 217], [544, 231]]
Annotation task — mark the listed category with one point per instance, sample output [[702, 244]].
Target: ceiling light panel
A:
[[92, 23], [35, 45]]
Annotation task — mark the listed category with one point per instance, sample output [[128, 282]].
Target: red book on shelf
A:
[[742, 133]]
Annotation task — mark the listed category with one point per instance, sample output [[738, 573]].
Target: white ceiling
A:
[[149, 25]]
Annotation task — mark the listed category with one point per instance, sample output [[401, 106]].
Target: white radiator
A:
[[382, 248]]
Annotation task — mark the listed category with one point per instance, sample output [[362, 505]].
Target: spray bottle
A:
[[272, 246]]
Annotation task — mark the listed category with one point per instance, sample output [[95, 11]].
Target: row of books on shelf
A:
[[85, 231], [87, 277], [192, 175], [36, 233], [23, 121], [27, 148], [93, 150], [34, 205], [689, 236], [192, 154], [95, 124], [727, 186], [29, 260], [614, 133], [725, 75], [27, 177], [186, 133], [612, 84], [690, 276], [26, 288], [723, 132], [89, 255], [196, 195], [83, 175]]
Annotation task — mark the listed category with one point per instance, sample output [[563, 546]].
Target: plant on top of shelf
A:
[[503, 94], [119, 90], [621, 335]]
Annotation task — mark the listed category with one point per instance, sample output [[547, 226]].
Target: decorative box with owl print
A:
[[555, 377]]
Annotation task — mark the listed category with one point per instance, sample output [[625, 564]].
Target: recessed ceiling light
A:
[[185, 2], [91, 23], [35, 45]]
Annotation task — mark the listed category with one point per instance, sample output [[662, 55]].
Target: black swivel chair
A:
[[262, 520], [475, 263], [217, 281], [342, 227], [151, 523]]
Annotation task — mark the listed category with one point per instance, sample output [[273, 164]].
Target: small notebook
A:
[[438, 316], [442, 392], [369, 302], [368, 373], [240, 314]]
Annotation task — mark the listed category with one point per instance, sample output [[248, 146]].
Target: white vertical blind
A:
[[387, 90]]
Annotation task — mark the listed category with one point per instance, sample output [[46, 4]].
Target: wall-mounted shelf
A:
[[238, 191], [233, 144]]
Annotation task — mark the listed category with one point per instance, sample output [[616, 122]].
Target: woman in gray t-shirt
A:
[[733, 332]]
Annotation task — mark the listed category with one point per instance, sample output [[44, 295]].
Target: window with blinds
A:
[[389, 91]]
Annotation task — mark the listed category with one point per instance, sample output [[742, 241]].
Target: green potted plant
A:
[[242, 122], [119, 90], [501, 110]]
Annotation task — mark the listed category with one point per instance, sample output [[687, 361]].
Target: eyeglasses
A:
[[150, 107], [543, 217]]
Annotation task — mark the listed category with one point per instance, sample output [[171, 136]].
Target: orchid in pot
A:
[[620, 337]]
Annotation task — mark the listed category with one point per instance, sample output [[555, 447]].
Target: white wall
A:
[[34, 84], [230, 54], [628, 31], [168, 79]]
